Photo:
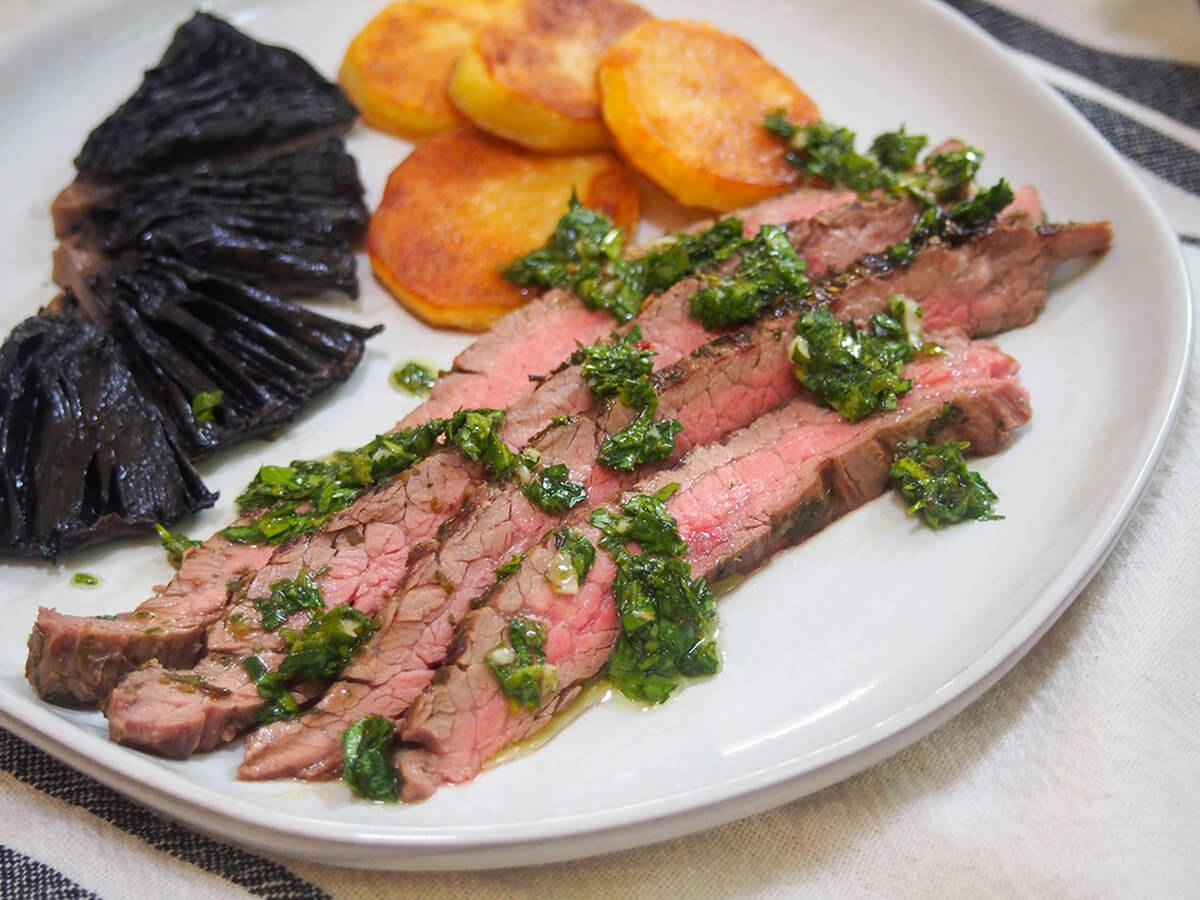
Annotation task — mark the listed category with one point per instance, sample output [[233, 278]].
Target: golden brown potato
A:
[[464, 204], [530, 75], [396, 69], [685, 105]]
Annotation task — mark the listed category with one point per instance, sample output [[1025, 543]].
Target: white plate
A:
[[840, 652]]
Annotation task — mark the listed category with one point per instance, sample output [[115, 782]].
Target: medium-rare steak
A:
[[214, 92], [769, 486], [496, 370], [723, 386], [351, 572]]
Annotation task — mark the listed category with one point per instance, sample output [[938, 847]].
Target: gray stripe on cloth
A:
[[259, 876], [1164, 156], [21, 876], [1172, 88]]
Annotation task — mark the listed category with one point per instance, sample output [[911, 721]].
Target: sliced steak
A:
[[723, 386], [362, 554], [76, 660], [537, 337], [769, 486], [496, 370]]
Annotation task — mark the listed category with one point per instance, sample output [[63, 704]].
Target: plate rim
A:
[[209, 811]]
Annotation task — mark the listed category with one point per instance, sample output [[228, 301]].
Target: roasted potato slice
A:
[[465, 204], [530, 75], [685, 105], [396, 69]]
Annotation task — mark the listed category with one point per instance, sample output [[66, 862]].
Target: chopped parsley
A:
[[569, 567], [623, 368], [204, 405], [897, 151], [667, 618], [827, 151], [175, 543], [553, 490], [506, 569], [287, 598], [952, 172], [85, 579], [936, 482], [520, 666], [365, 765], [476, 434], [857, 372], [610, 368], [301, 497], [644, 520], [319, 653], [414, 378], [642, 441], [584, 254], [770, 269]]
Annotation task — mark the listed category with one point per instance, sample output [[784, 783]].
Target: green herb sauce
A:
[[507, 569], [667, 618], [623, 368], [770, 269], [553, 490], [413, 378], [826, 151], [365, 765], [85, 579], [584, 255], [857, 372], [301, 497], [519, 665], [319, 654], [204, 405], [175, 543], [287, 598], [609, 368], [936, 482]]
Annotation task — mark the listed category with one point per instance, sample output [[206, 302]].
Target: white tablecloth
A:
[[1076, 775]]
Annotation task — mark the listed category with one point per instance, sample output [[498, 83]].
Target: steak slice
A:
[[537, 337], [768, 486], [723, 386], [495, 371], [362, 554]]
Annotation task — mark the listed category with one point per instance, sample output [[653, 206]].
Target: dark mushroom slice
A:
[[85, 454], [215, 92], [284, 223], [188, 333]]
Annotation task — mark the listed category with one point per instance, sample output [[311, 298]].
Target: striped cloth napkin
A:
[[1075, 776]]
